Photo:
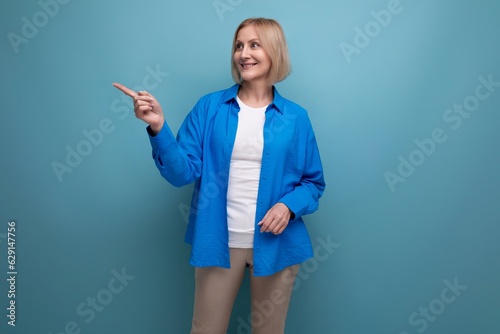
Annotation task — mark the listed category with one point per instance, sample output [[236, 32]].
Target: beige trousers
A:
[[216, 289]]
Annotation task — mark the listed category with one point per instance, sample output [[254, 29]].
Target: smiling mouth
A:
[[247, 66]]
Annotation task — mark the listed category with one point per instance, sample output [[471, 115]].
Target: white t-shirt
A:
[[244, 175]]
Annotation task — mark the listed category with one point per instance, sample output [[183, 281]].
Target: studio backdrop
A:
[[404, 98]]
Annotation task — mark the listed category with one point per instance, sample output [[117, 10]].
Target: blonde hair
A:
[[273, 41]]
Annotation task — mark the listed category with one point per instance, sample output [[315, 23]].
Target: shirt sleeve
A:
[[179, 160], [304, 198]]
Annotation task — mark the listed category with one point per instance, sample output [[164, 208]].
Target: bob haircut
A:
[[273, 41]]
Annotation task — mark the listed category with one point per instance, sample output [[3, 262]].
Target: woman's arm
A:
[[178, 160]]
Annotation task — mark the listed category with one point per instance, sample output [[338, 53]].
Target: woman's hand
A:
[[146, 107], [276, 219]]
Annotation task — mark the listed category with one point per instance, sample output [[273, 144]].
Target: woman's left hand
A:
[[276, 219]]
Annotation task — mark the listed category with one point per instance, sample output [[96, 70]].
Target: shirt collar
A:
[[278, 101]]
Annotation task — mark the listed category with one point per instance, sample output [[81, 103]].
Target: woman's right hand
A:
[[146, 107]]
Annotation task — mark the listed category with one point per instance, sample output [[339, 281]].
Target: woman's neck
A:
[[256, 95]]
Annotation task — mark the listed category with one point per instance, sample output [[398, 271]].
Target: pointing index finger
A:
[[125, 90]]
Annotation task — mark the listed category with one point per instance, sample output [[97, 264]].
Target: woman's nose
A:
[[245, 53]]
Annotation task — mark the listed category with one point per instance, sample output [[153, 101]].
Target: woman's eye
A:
[[253, 45]]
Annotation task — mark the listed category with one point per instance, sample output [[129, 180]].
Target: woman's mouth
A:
[[248, 65]]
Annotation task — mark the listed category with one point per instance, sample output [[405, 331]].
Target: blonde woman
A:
[[257, 170]]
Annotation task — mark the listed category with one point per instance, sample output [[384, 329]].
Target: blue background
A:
[[394, 249]]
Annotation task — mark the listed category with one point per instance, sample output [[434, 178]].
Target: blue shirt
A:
[[291, 173]]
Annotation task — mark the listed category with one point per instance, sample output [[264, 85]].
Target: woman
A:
[[254, 160]]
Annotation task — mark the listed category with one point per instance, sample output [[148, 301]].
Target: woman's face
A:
[[252, 61]]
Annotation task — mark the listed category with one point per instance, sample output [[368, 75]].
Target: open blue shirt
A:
[[291, 173]]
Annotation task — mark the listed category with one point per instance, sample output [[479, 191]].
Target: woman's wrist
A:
[[156, 128]]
